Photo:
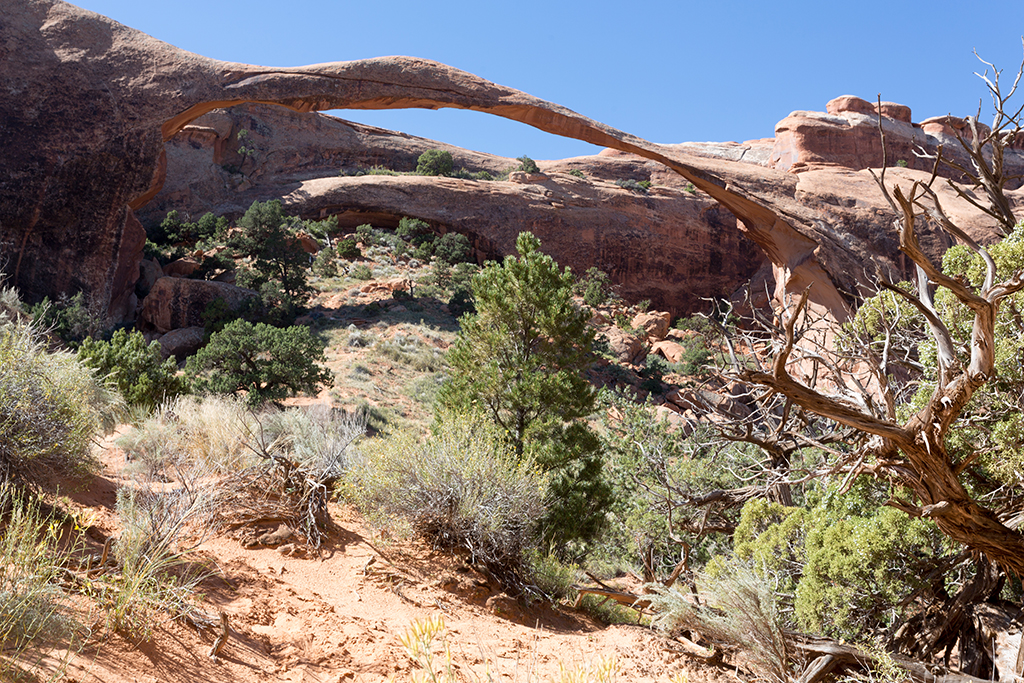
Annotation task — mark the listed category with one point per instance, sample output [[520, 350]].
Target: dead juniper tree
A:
[[904, 400]]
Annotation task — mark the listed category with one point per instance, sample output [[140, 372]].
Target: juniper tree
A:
[[520, 359]]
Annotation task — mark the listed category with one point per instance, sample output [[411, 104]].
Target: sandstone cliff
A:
[[88, 105]]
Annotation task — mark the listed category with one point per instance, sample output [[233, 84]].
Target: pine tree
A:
[[520, 359]]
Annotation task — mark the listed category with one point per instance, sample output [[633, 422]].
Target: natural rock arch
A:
[[92, 102]]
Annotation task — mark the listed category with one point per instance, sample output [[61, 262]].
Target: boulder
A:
[[149, 272], [676, 422], [669, 350], [182, 342], [183, 267], [177, 302], [307, 242], [653, 324], [625, 347], [850, 103]]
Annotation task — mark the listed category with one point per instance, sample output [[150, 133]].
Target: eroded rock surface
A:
[[88, 104]]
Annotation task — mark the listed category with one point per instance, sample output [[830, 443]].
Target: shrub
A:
[[408, 350], [527, 165], [435, 162], [156, 575], [461, 489], [366, 234], [452, 248], [377, 170], [138, 370], [577, 172], [268, 363], [695, 359], [361, 271], [632, 185], [69, 318], [191, 429], [326, 263], [414, 230], [737, 606], [268, 237], [348, 249], [34, 611], [595, 286], [50, 408]]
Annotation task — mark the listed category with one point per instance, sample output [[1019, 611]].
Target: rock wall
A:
[[88, 104]]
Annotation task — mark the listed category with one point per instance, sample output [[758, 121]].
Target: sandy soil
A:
[[339, 616]]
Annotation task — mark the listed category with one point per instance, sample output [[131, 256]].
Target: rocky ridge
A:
[[89, 105]]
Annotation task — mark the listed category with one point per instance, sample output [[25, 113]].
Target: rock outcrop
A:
[[175, 303], [88, 105]]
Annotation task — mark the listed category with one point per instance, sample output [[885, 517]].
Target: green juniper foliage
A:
[[278, 260], [520, 360], [268, 363], [138, 369], [435, 162]]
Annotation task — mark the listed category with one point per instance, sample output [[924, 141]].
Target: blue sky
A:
[[666, 71]]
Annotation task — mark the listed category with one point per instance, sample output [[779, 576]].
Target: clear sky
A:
[[667, 71]]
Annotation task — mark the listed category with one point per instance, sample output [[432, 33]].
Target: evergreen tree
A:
[[269, 363], [138, 369], [520, 359], [279, 264]]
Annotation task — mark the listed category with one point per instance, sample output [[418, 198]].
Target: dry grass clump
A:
[[410, 350], [34, 610], [267, 465], [155, 574], [460, 489], [737, 607], [50, 408], [212, 430]]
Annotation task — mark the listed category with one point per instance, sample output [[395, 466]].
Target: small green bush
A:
[[268, 363], [137, 369], [409, 350], [69, 318], [377, 170], [527, 165], [436, 162], [452, 248], [51, 406], [361, 271], [632, 185], [414, 230], [326, 263], [348, 249], [461, 489], [595, 286], [366, 234], [577, 172]]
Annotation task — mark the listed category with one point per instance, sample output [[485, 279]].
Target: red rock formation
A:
[[175, 303], [66, 187], [87, 105]]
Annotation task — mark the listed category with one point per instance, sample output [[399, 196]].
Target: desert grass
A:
[[738, 607], [36, 614]]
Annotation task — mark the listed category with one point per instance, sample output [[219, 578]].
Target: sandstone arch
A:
[[89, 103]]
